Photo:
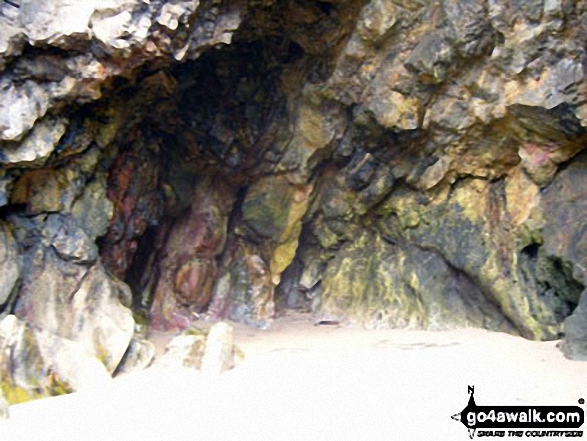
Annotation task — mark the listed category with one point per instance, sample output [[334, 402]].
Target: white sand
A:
[[301, 382]]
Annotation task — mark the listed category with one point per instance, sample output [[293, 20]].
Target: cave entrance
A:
[[195, 223]]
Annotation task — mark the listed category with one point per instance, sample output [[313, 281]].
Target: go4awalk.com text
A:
[[522, 421]]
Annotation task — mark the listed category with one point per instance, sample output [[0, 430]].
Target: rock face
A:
[[10, 264], [393, 285], [564, 238], [386, 163], [188, 259]]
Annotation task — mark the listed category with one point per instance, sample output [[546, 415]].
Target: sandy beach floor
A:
[[302, 382]]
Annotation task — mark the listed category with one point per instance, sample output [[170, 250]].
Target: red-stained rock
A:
[[187, 265], [132, 188], [193, 282]]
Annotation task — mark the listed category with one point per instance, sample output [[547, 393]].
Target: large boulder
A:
[[37, 363], [220, 352], [211, 351], [79, 303], [67, 299]]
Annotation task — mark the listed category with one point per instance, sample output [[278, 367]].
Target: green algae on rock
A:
[[386, 285]]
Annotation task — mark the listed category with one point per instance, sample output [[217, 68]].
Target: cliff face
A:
[[391, 163]]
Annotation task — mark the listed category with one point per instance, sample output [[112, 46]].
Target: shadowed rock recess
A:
[[385, 163]]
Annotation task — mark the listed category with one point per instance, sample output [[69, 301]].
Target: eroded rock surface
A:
[[37, 363], [139, 355], [9, 264], [187, 262], [211, 351], [388, 163]]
